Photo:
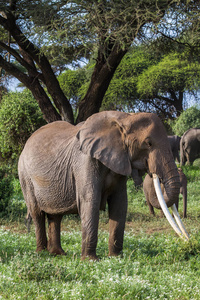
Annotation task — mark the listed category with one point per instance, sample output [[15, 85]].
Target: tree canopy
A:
[[39, 38], [145, 82]]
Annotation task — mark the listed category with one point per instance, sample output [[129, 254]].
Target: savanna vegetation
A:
[[156, 264]]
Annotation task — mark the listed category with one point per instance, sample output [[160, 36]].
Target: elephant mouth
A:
[[178, 225]]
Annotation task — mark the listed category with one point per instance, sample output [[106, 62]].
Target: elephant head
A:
[[132, 144]]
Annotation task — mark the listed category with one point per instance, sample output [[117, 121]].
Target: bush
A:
[[6, 190], [20, 116], [189, 118], [12, 204]]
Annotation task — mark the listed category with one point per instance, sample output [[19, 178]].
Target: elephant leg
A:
[[184, 202], [54, 243], [36, 214], [151, 209], [117, 206], [40, 231], [89, 213], [188, 159]]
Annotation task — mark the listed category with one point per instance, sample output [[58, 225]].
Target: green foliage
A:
[[6, 190], [122, 92], [191, 172], [20, 116], [71, 81], [145, 82], [172, 72], [12, 204], [190, 118]]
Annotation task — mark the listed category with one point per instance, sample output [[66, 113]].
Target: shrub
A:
[[20, 116], [6, 190], [189, 118]]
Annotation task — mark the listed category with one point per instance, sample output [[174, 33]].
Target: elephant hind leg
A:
[[54, 243], [34, 213], [40, 231]]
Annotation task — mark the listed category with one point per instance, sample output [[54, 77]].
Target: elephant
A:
[[150, 195], [67, 169], [190, 146], [174, 141]]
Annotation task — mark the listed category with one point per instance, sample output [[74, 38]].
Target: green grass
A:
[[156, 264]]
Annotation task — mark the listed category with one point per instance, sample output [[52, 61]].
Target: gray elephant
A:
[[66, 169], [174, 141], [150, 194], [190, 146]]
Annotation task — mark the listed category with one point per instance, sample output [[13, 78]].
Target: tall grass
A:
[[156, 264]]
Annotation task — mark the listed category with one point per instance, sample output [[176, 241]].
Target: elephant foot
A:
[[89, 253], [56, 251], [114, 253], [115, 250], [90, 257], [41, 248]]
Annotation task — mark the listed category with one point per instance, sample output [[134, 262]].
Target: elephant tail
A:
[[28, 221]]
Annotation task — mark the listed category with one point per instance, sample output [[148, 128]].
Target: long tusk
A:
[[164, 206], [179, 222]]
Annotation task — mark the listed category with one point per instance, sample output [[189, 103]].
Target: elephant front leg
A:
[[89, 212], [54, 243], [117, 205]]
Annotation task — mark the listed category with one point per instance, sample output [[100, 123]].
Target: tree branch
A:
[[51, 81], [14, 71], [28, 67]]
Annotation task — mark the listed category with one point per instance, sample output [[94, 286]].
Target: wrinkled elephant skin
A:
[[66, 169]]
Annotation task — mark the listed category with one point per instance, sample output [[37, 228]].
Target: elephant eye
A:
[[149, 143]]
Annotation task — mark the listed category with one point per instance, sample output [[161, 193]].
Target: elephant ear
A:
[[102, 136]]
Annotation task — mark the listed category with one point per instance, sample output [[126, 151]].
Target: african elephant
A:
[[66, 169], [190, 146], [150, 195], [174, 141]]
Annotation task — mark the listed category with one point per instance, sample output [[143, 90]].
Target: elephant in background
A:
[[174, 141], [190, 146], [150, 195], [66, 169]]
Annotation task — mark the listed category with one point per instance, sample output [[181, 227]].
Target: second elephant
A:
[[174, 141], [150, 194], [190, 146]]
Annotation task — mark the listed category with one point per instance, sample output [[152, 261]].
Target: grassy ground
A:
[[156, 264]]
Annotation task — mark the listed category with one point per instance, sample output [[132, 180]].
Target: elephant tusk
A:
[[165, 208], [179, 222]]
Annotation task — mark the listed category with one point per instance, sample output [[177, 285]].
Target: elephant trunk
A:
[[170, 185], [172, 189]]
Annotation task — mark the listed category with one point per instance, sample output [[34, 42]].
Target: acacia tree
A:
[[39, 32], [164, 84], [145, 82]]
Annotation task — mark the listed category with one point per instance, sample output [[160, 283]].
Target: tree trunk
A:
[[177, 101], [31, 56], [100, 80]]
